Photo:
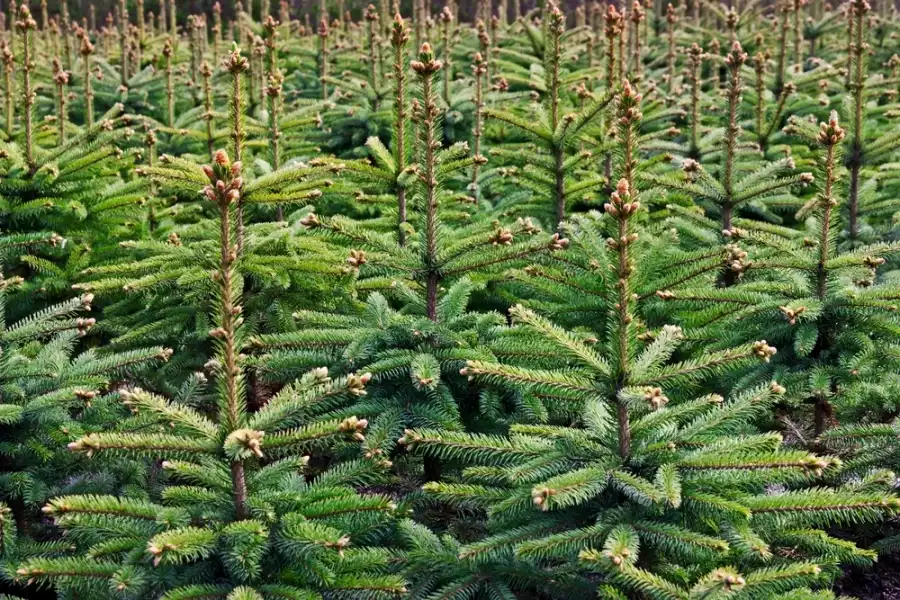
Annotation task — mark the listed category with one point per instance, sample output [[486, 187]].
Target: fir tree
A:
[[863, 149], [737, 182], [415, 349], [267, 531], [52, 395], [185, 248], [810, 295], [659, 491], [551, 165]]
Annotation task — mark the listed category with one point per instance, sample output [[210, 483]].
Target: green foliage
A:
[[343, 359]]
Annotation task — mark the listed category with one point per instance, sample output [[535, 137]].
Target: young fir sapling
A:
[[413, 351], [638, 473], [550, 172], [275, 532], [810, 295], [737, 182]]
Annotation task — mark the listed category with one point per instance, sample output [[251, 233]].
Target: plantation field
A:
[[442, 302]]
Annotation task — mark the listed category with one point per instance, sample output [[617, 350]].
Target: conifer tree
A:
[[770, 111], [550, 168], [237, 515], [736, 182], [51, 395], [414, 349], [657, 491], [185, 249], [863, 148], [53, 390], [26, 25], [386, 177], [9, 66], [59, 189], [810, 295]]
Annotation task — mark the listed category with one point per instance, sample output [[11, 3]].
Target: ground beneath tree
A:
[[880, 582]]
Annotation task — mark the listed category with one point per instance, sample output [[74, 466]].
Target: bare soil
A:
[[880, 582]]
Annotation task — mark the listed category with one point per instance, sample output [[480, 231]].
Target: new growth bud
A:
[[426, 65], [831, 133]]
